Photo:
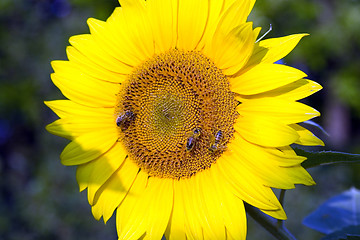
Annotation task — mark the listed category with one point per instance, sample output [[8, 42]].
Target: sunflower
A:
[[177, 115]]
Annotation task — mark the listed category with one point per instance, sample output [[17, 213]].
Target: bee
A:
[[124, 119], [215, 143], [192, 139]]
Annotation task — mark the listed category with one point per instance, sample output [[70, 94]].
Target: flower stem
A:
[[269, 223], [280, 223]]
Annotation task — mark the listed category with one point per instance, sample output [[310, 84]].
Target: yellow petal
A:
[[210, 204], [292, 91], [214, 13], [223, 17], [83, 172], [82, 88], [232, 207], [265, 132], [279, 47], [300, 89], [194, 220], [131, 23], [160, 206], [266, 166], [279, 109], [108, 163], [78, 119], [252, 3], [273, 49], [91, 67], [71, 110], [110, 194], [231, 52], [129, 227], [176, 227], [63, 128], [116, 44], [256, 32], [191, 27], [264, 77], [235, 15], [73, 128], [163, 17], [306, 138], [284, 156], [278, 214], [91, 49], [259, 196], [150, 211], [88, 147], [244, 184]]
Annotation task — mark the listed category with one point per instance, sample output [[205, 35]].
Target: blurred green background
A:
[[39, 197]]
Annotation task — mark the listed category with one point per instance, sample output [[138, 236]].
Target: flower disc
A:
[[168, 97]]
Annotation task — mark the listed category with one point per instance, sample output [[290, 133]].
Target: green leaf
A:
[[337, 213], [348, 233], [317, 126], [326, 157]]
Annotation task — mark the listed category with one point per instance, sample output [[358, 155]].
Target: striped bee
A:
[[192, 139], [215, 143], [123, 120]]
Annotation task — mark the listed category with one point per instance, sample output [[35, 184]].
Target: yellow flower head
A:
[[176, 115]]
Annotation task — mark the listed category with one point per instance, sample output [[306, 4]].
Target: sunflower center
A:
[[175, 114]]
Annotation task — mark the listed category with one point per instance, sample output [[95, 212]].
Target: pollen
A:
[[169, 113]]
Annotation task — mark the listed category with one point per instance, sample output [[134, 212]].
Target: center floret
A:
[[175, 114]]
